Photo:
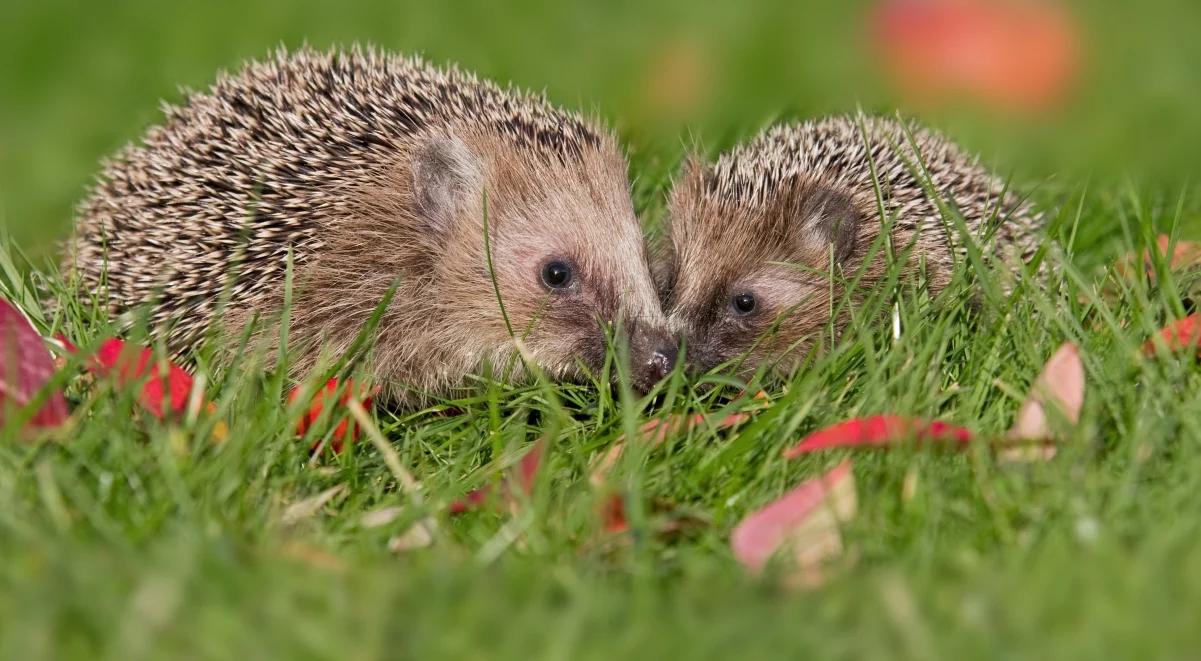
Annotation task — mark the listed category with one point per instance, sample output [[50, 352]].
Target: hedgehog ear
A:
[[829, 218], [445, 173]]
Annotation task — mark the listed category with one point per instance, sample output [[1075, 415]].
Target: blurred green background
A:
[[79, 80]]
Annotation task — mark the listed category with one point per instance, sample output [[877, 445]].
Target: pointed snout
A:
[[653, 361]]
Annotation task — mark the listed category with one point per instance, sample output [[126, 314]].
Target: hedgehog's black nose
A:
[[655, 365], [662, 361]]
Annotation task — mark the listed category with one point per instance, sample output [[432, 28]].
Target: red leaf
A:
[[881, 430], [1010, 55], [25, 368], [469, 502], [1180, 335], [613, 514], [806, 518], [346, 427], [167, 386], [1061, 386], [526, 474], [1184, 255]]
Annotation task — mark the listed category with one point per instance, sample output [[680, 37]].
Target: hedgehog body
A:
[[367, 171], [761, 244]]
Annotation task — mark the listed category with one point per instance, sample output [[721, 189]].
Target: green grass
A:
[[127, 538]]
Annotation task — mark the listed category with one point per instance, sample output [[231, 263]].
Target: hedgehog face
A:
[[565, 254], [753, 284]]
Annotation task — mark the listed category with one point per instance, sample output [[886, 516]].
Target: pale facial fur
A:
[[789, 255], [425, 223], [815, 196]]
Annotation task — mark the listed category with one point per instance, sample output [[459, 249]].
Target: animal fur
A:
[[372, 169], [805, 195]]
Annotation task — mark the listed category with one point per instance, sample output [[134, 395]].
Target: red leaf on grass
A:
[[1184, 255], [526, 474], [25, 368], [881, 430], [346, 428], [613, 514], [1059, 386], [1180, 335], [807, 519], [167, 386]]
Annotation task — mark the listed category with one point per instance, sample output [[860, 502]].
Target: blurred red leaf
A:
[[1182, 256], [1180, 335], [613, 514], [807, 520], [167, 386], [1059, 386], [881, 430], [1008, 54], [346, 428], [25, 368], [526, 474]]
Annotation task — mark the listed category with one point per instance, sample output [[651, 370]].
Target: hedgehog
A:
[[361, 174], [759, 248]]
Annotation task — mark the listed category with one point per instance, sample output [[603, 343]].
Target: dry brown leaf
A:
[[306, 508]]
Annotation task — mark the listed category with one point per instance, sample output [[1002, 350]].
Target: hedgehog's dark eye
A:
[[557, 275], [744, 303]]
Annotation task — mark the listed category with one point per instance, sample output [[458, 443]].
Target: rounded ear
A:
[[445, 174], [828, 217]]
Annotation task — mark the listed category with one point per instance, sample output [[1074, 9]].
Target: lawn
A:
[[128, 538]]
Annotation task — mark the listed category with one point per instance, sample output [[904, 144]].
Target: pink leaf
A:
[[806, 519], [25, 368], [1059, 386], [1183, 256], [881, 430]]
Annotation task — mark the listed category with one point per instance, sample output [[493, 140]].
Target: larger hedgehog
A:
[[372, 169], [761, 246]]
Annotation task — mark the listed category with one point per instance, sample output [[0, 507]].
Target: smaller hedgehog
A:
[[367, 170], [759, 247]]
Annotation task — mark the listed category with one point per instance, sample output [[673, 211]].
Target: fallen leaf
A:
[[306, 508], [613, 514], [881, 431], [1183, 256], [1060, 386], [1014, 56], [526, 474], [1180, 335], [381, 517], [346, 429], [806, 521], [167, 386], [418, 536], [25, 368]]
